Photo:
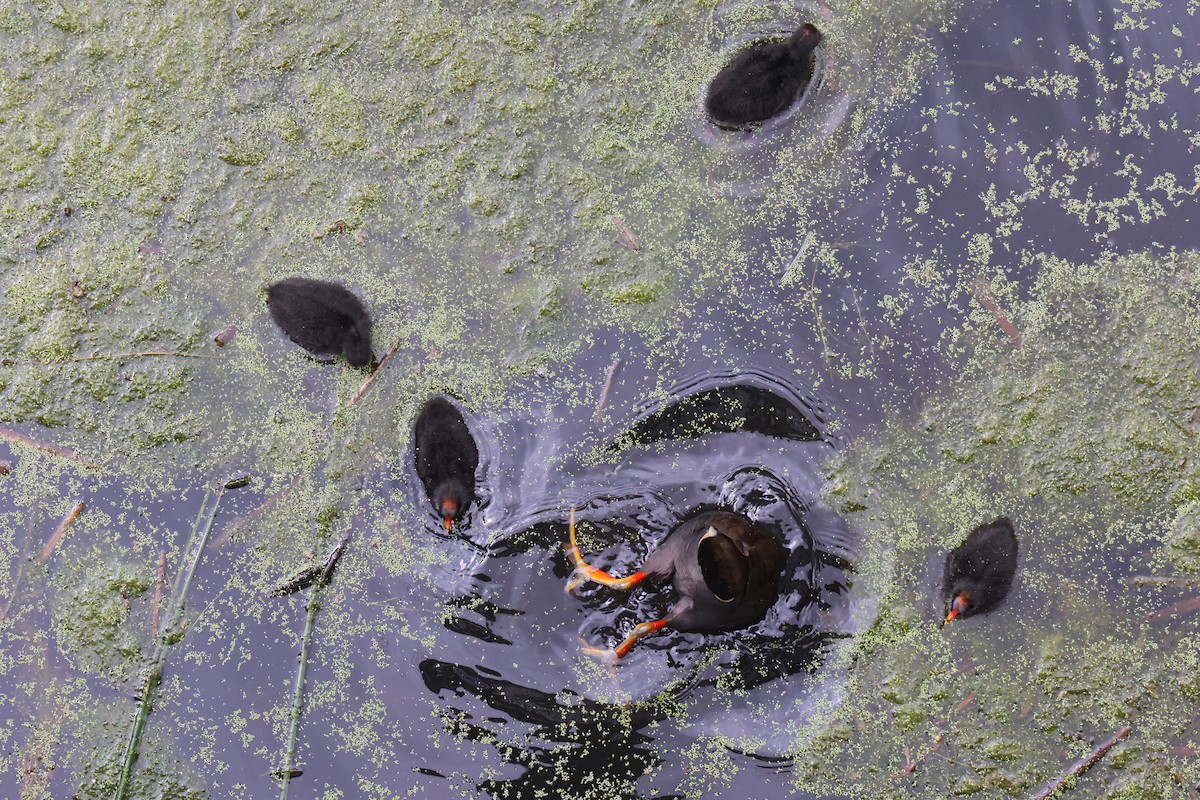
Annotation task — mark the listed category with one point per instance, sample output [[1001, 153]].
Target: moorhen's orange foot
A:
[[586, 572], [640, 631], [603, 655], [600, 653]]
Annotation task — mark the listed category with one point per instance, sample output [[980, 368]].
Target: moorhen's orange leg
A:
[[589, 573], [641, 630]]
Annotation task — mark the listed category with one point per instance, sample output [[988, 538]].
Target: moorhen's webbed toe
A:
[[723, 566], [979, 572], [763, 80], [447, 458], [323, 318]]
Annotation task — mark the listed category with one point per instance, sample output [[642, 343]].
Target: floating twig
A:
[[1084, 764], [911, 764], [798, 258], [627, 236], [375, 372], [319, 581], [609, 379], [45, 447], [830, 52], [158, 592], [983, 293], [143, 354], [238, 481], [862, 322], [1177, 610], [313, 574], [63, 526]]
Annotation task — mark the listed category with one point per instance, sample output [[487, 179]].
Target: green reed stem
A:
[[197, 542], [288, 770]]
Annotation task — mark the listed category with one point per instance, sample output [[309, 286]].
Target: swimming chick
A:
[[763, 80], [323, 318], [724, 567], [446, 459], [979, 572]]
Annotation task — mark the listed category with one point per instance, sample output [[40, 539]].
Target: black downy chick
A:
[[323, 318], [763, 80], [447, 458], [979, 572], [724, 567]]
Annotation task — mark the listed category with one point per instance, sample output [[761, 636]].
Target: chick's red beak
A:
[[449, 512], [958, 604]]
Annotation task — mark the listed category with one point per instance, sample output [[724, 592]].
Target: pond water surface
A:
[[811, 330]]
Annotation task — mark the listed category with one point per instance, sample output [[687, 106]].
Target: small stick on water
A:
[[1084, 764], [289, 769], [862, 322], [1177, 610], [158, 592], [144, 354], [966, 701], [609, 380], [798, 258], [52, 449], [626, 234], [375, 372], [983, 293], [63, 526], [830, 53], [911, 763]]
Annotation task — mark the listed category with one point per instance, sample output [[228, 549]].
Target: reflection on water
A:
[[725, 403], [600, 745]]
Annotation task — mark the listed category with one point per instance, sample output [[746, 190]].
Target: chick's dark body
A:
[[446, 456], [323, 318], [762, 80], [981, 569]]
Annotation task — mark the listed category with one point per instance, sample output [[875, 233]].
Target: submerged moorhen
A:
[[762, 80], [723, 566], [323, 318], [446, 458], [979, 572]]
